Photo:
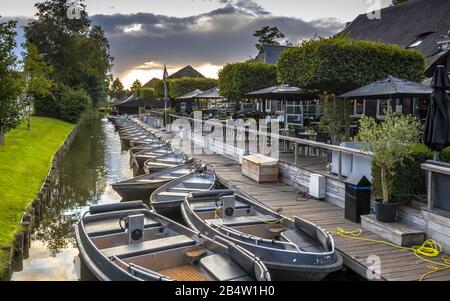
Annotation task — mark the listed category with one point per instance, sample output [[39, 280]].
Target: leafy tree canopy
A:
[[136, 86], [339, 64], [267, 35], [10, 80], [236, 79], [77, 51]]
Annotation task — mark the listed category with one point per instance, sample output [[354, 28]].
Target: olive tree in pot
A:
[[389, 142]]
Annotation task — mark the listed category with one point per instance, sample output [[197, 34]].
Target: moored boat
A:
[[167, 199], [138, 159], [164, 162], [292, 249], [140, 188], [128, 242]]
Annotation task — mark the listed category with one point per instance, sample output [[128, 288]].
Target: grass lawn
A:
[[24, 163]]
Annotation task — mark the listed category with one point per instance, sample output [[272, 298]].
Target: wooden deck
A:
[[396, 264]]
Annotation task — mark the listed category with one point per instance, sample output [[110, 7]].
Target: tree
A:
[[146, 93], [337, 65], [77, 51], [36, 73], [136, 86], [116, 91], [10, 80], [267, 35], [389, 142], [239, 78]]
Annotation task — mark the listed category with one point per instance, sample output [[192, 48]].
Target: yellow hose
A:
[[429, 248]]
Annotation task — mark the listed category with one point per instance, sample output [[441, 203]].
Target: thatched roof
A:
[[404, 24], [187, 71]]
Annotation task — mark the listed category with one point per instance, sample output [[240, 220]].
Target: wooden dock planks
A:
[[396, 264]]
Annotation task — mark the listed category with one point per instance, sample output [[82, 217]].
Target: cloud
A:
[[220, 36]]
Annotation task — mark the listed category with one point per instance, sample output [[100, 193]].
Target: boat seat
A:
[[211, 206], [243, 220], [111, 226], [185, 189], [303, 241], [222, 268], [173, 194], [150, 246]]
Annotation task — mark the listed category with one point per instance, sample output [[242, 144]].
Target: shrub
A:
[[181, 86], [146, 93], [389, 142], [239, 78], [340, 64], [73, 103], [409, 179], [185, 85], [444, 156], [46, 105]]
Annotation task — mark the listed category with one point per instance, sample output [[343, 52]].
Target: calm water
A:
[[94, 161]]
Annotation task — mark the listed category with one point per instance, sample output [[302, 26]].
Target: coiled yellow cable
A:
[[429, 248]]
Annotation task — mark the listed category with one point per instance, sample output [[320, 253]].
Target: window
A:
[[419, 39], [268, 105], [359, 107]]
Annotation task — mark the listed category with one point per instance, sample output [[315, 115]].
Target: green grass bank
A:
[[24, 164]]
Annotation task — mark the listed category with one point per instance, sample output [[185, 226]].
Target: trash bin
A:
[[357, 197]]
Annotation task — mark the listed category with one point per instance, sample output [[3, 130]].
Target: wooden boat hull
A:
[[283, 261], [167, 252]]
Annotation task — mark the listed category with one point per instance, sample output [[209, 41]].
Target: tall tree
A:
[[10, 80], [116, 91], [77, 51], [136, 86], [268, 35], [37, 76]]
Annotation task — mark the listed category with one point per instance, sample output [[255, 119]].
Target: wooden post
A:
[[17, 260], [26, 224], [340, 166], [295, 153], [429, 188]]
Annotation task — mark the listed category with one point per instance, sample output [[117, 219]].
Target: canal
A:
[[93, 162]]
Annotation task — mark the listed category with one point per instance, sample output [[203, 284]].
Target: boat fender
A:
[[116, 207]]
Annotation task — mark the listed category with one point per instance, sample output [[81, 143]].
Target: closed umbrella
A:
[[437, 126]]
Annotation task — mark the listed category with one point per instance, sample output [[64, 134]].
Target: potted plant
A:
[[389, 142]]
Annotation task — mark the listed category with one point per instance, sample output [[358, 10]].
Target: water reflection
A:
[[93, 162]]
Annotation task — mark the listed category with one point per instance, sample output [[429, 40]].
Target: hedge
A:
[[444, 156], [239, 78], [181, 86], [409, 179], [339, 64]]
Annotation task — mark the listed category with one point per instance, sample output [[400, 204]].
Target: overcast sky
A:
[[144, 34]]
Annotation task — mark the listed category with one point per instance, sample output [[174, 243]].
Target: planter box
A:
[[260, 168], [398, 233]]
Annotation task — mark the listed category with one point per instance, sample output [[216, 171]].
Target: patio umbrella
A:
[[282, 92], [390, 87], [437, 126]]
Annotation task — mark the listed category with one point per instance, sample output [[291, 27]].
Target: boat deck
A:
[[396, 264], [184, 273]]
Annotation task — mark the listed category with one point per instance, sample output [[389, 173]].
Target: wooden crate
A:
[[260, 168]]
